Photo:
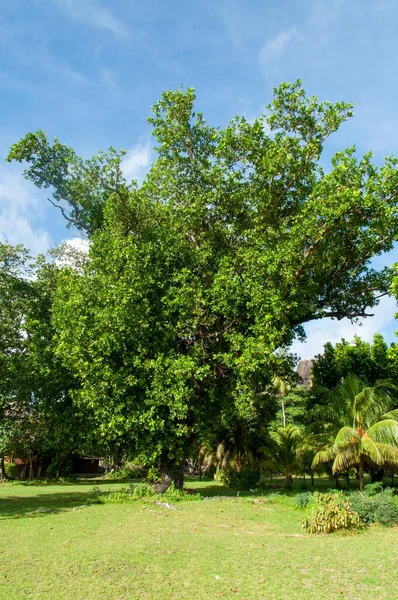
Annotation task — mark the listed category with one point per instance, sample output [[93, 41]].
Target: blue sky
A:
[[88, 71]]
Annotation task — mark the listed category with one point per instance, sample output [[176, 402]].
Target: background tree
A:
[[369, 362], [38, 415], [368, 431], [282, 453], [196, 278], [15, 292]]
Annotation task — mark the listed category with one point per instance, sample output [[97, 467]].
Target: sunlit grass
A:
[[219, 548]]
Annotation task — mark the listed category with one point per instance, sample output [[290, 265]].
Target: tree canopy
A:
[[236, 238], [369, 362]]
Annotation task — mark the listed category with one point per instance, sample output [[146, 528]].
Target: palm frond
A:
[[346, 459], [392, 414], [369, 448], [389, 454], [346, 436], [326, 454], [385, 432]]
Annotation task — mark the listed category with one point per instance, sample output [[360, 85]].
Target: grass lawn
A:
[[236, 548]]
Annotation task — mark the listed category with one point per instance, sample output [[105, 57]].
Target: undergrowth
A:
[[142, 492]]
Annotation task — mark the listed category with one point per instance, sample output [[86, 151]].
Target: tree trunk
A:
[[312, 478], [170, 473], [283, 414], [3, 474], [289, 479], [360, 472], [336, 482]]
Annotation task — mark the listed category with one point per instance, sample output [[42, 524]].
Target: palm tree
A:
[[282, 452], [282, 387], [239, 445], [368, 429]]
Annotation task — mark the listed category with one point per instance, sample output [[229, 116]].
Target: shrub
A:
[[122, 473], [376, 508], [153, 475], [11, 470], [141, 491], [371, 489], [302, 500], [330, 512], [209, 473], [245, 479]]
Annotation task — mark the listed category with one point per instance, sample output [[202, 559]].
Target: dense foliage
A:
[[171, 330], [38, 416]]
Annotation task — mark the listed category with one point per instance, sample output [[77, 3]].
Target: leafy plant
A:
[[11, 470], [302, 500], [329, 512], [141, 490], [373, 507], [198, 275], [122, 473], [153, 475], [244, 479]]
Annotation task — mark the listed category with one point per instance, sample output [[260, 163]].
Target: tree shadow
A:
[[68, 482], [269, 487], [42, 504]]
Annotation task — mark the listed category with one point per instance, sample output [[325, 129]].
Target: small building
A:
[[26, 468], [85, 466]]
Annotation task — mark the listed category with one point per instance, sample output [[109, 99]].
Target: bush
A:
[[141, 491], [372, 489], [302, 500], [122, 473], [11, 470], [330, 512], [153, 475], [379, 507], [245, 479]]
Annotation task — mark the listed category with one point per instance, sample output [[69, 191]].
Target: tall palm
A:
[[282, 452], [239, 445], [368, 427], [282, 387]]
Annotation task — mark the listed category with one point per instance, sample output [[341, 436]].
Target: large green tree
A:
[[236, 238]]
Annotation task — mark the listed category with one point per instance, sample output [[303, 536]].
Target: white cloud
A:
[[19, 206], [78, 244], [275, 47], [136, 163], [72, 252], [90, 12], [326, 330]]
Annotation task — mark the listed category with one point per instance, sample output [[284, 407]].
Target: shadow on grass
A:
[[68, 482], [268, 487], [15, 507], [16, 504]]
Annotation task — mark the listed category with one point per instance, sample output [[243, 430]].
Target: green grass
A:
[[243, 548]]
